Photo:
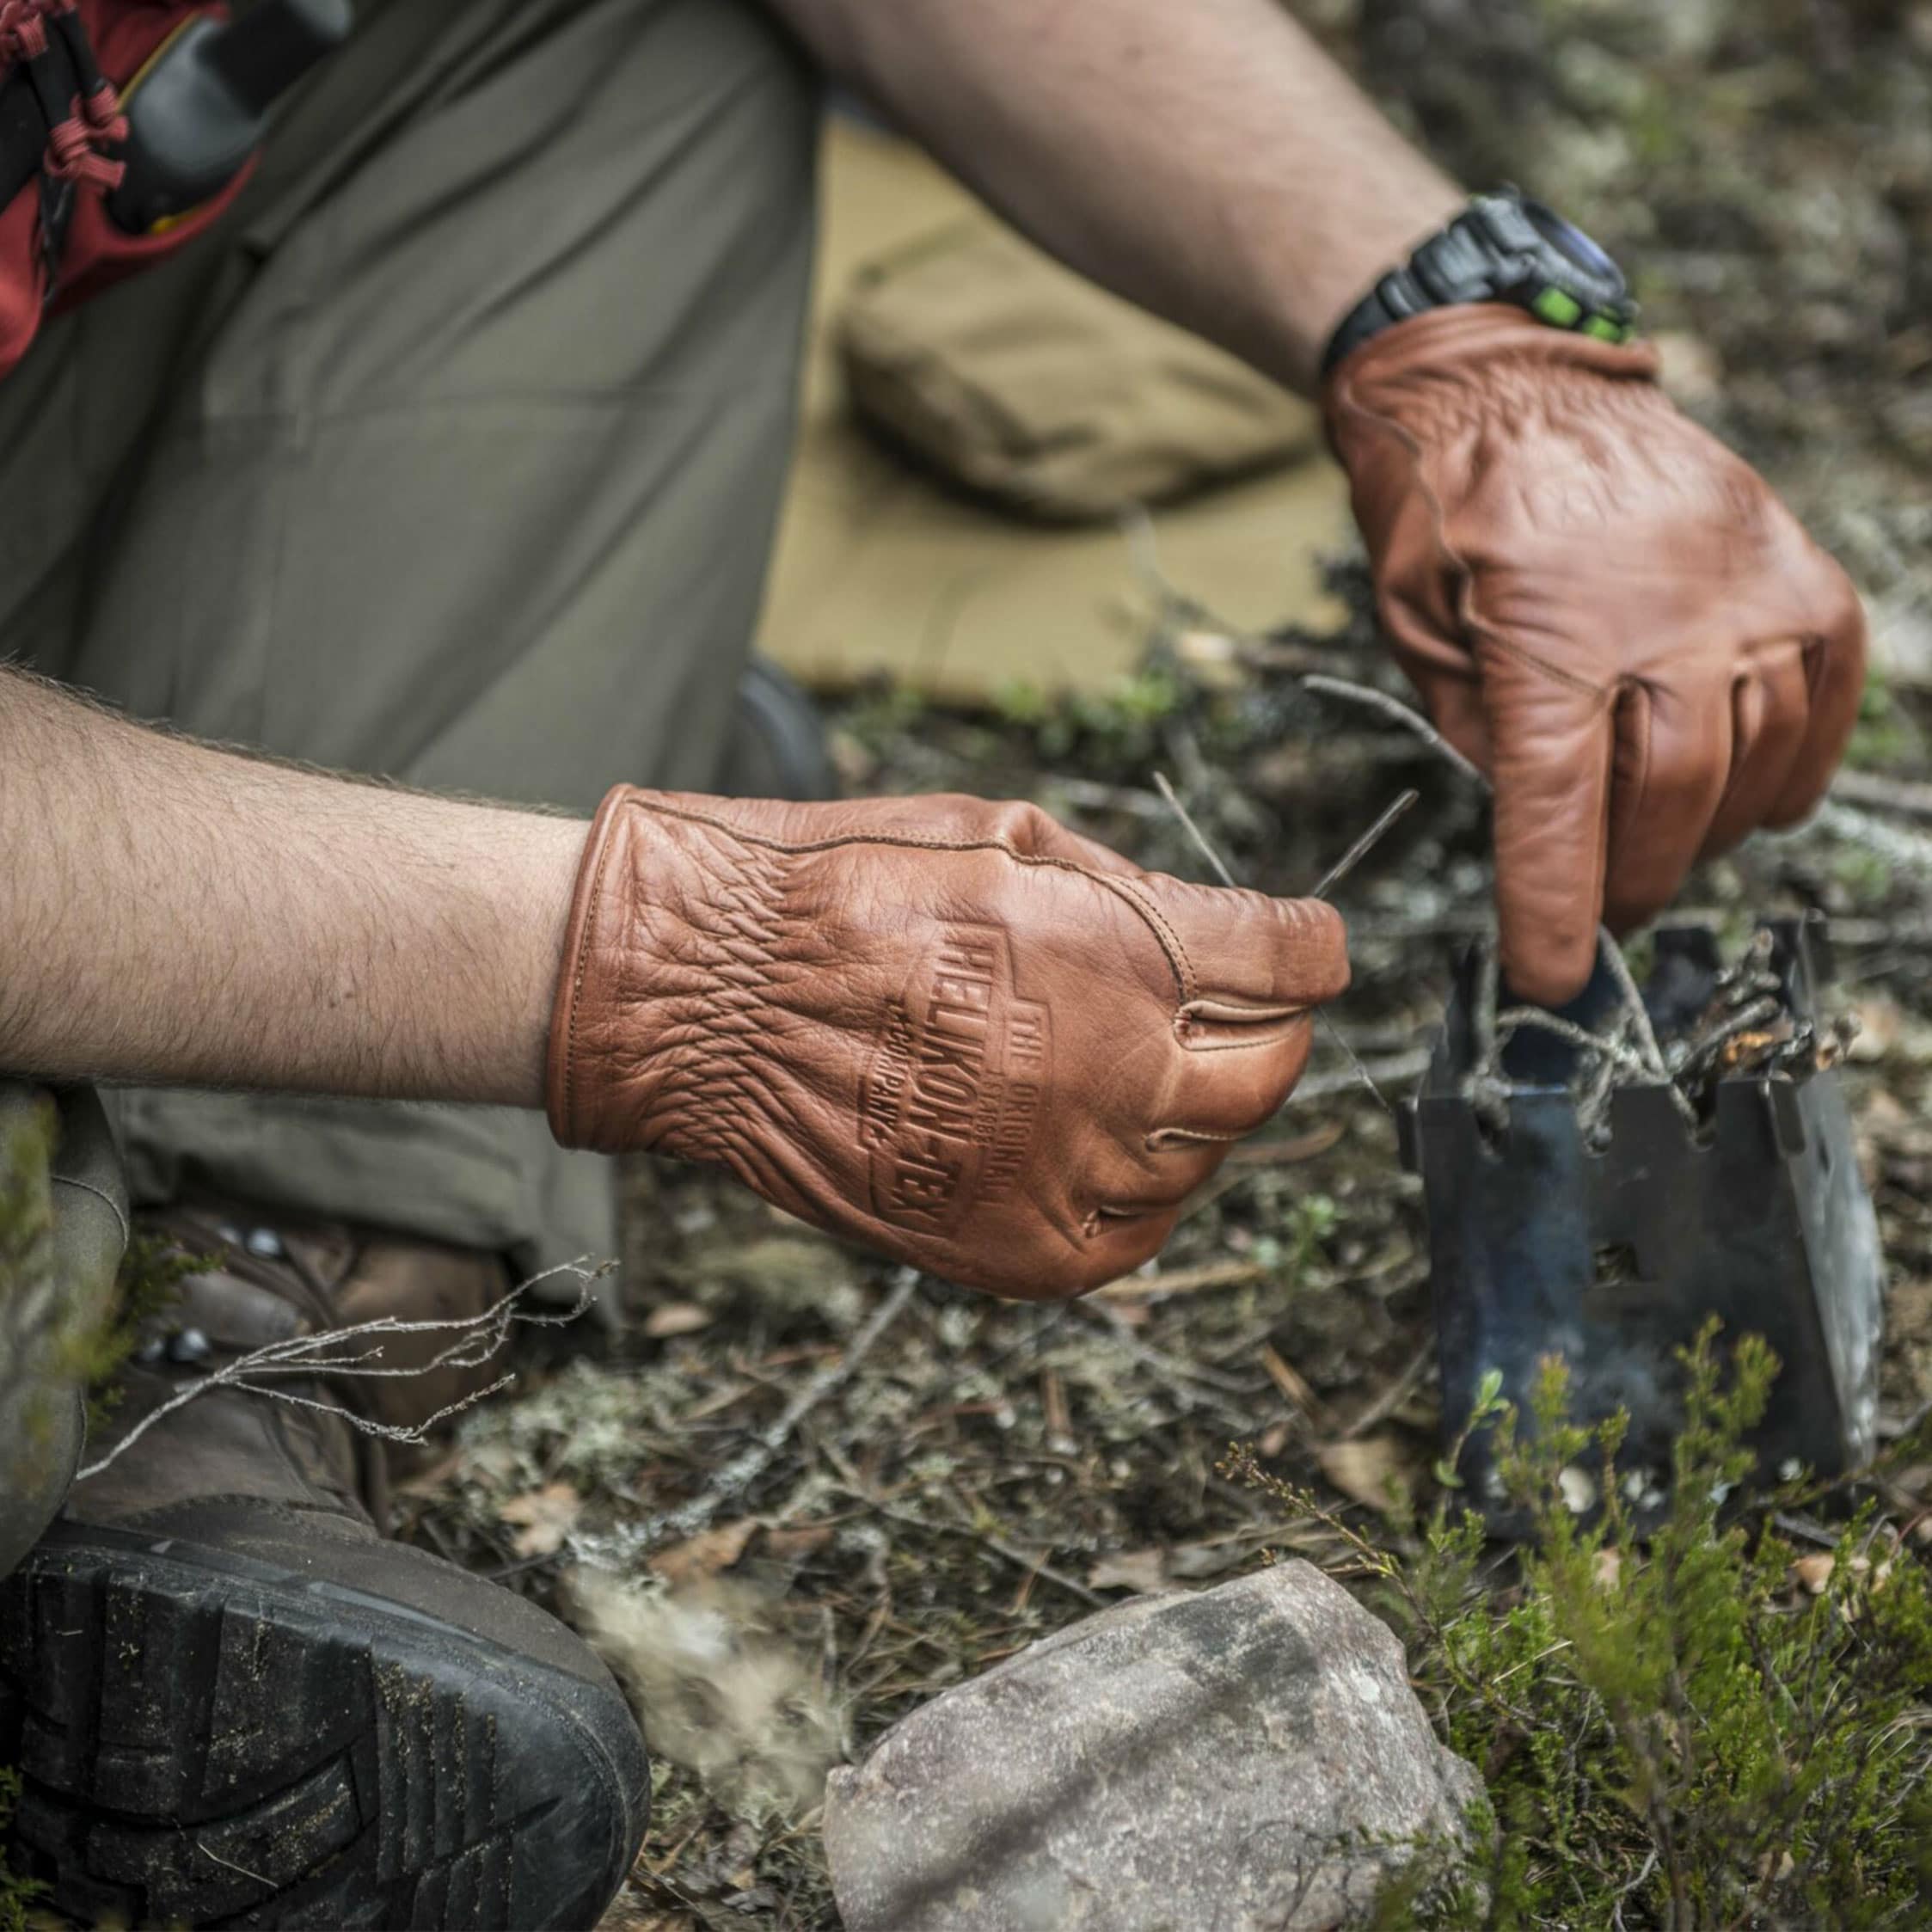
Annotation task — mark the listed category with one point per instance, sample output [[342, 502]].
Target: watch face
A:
[[1571, 240]]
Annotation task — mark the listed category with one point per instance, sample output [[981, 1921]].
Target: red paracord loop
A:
[[23, 27], [74, 145]]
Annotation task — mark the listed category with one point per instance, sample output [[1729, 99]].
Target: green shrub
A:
[[17, 1894], [1713, 1726]]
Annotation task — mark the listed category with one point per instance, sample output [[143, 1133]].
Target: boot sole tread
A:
[[214, 1742]]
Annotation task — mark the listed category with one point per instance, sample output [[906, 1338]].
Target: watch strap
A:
[[1493, 251]]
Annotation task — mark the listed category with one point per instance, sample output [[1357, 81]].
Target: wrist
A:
[[609, 931], [1369, 252], [526, 866], [1311, 286]]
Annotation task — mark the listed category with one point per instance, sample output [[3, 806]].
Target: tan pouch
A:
[[1008, 374]]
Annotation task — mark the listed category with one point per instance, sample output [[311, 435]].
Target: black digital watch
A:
[[1502, 248]]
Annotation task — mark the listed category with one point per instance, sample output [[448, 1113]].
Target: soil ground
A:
[[989, 1472]]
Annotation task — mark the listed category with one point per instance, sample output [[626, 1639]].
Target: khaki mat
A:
[[880, 568]]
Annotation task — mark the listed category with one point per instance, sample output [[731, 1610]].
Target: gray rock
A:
[[1246, 1759]]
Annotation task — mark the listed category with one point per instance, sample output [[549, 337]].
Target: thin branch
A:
[[478, 1339], [1357, 1071], [1403, 714], [1412, 720], [1713, 1044], [998, 1545], [1633, 1005], [1910, 798], [1193, 831], [1517, 1018], [1896, 844], [1393, 1068], [1362, 846], [1227, 878], [1395, 1394], [744, 1469]]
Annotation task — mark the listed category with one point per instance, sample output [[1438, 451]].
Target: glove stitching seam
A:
[[1170, 941], [1568, 679], [1245, 1046], [593, 911]]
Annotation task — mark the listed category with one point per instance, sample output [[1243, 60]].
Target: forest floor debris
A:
[[989, 1473]]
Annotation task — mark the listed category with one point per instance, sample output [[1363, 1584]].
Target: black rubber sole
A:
[[205, 1739]]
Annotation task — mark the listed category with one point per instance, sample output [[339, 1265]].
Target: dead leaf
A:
[[1881, 1024], [1366, 1468], [792, 1546], [1690, 368], [676, 1318], [1294, 1386], [433, 1477], [1913, 1481], [1909, 1310], [1814, 1572], [1143, 1570], [547, 1517], [1607, 1570], [707, 1553], [1213, 656], [1192, 1563]]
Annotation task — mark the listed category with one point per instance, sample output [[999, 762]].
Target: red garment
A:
[[84, 158]]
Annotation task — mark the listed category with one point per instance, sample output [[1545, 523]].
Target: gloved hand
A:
[[947, 1028], [1602, 606]]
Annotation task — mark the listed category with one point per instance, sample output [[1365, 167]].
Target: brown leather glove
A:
[[947, 1028], [1602, 606]]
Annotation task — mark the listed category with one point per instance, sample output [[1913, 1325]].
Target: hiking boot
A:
[[233, 1701]]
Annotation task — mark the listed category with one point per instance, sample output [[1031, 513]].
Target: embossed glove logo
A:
[[951, 1100]]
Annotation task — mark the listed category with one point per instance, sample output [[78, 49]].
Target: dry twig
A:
[[744, 1469], [1406, 715], [1347, 860], [478, 1339]]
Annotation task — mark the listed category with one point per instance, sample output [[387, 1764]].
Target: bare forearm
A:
[[1206, 159], [182, 915]]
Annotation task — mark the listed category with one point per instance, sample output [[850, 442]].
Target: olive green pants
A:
[[454, 455]]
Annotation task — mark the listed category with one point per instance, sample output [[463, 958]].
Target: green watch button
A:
[[1605, 329], [1556, 306]]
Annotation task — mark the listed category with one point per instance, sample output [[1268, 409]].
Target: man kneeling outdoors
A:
[[947, 1028], [447, 448]]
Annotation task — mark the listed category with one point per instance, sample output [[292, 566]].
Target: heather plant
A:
[[1724, 1721], [18, 1895]]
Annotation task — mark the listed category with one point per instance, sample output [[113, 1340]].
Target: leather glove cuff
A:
[[577, 1100], [1451, 345]]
